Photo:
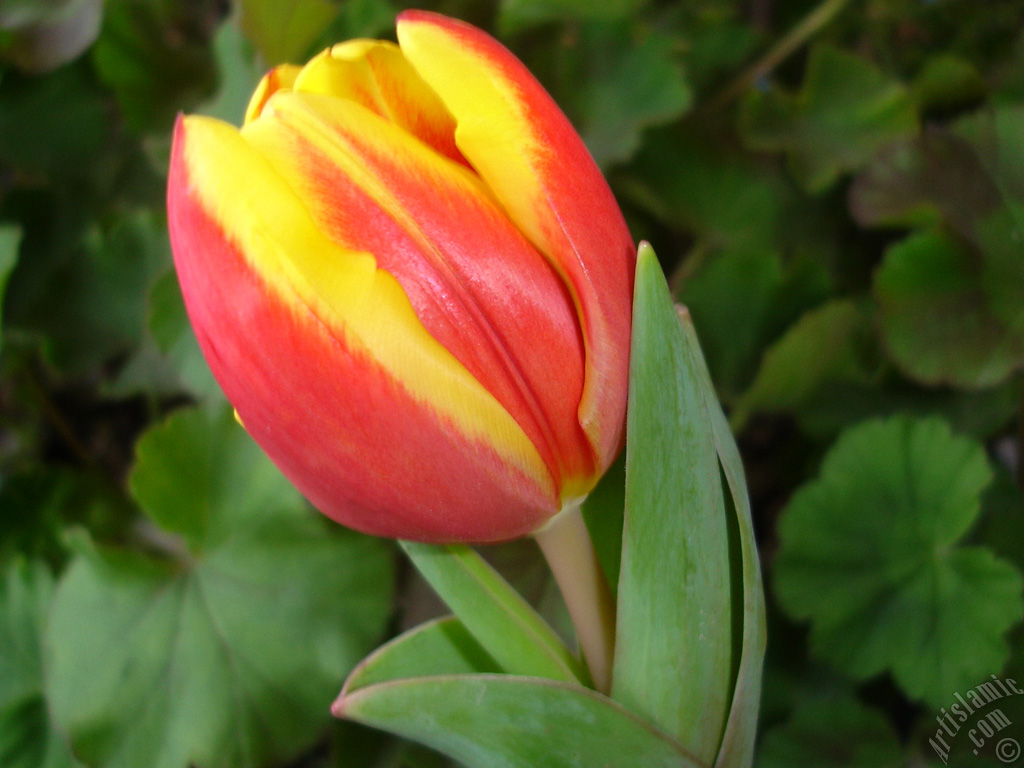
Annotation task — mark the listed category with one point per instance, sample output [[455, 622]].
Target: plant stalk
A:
[[567, 547], [810, 25]]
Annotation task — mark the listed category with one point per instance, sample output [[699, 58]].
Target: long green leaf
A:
[[501, 721], [494, 613], [439, 647], [737, 748], [674, 647]]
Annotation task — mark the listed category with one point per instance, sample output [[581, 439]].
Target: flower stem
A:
[[810, 25], [570, 554]]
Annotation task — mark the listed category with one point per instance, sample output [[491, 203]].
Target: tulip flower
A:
[[412, 283]]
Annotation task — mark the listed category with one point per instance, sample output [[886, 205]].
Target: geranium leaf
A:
[[226, 650], [870, 553]]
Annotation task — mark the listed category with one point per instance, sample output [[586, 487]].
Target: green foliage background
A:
[[836, 190]]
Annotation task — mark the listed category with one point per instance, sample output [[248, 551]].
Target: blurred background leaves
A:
[[836, 190]]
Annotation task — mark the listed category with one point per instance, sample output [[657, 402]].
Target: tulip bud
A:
[[413, 284]]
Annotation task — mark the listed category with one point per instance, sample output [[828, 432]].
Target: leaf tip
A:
[[644, 251], [339, 705]]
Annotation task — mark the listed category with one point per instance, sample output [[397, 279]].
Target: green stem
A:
[[689, 266], [570, 553], [60, 424], [809, 26]]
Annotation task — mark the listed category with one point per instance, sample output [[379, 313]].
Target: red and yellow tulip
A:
[[412, 283]]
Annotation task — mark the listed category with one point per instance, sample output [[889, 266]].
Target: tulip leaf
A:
[[222, 640], [27, 737], [689, 589], [870, 554], [502, 721], [439, 647], [737, 747], [10, 239], [494, 613]]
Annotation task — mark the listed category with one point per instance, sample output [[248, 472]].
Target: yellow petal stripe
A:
[[344, 289], [375, 74], [490, 118]]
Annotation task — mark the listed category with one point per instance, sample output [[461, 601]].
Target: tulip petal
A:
[[374, 73], [477, 285], [281, 77], [527, 152], [328, 366]]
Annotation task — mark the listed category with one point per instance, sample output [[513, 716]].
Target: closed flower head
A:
[[412, 283]]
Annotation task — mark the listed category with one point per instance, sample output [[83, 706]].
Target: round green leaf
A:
[[731, 299], [934, 177], [625, 83], [936, 318], [1001, 236], [947, 81], [825, 346], [30, 138], [846, 111], [27, 738], [868, 553], [204, 478], [226, 652], [832, 732]]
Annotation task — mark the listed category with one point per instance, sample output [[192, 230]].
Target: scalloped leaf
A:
[[225, 650], [870, 554]]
